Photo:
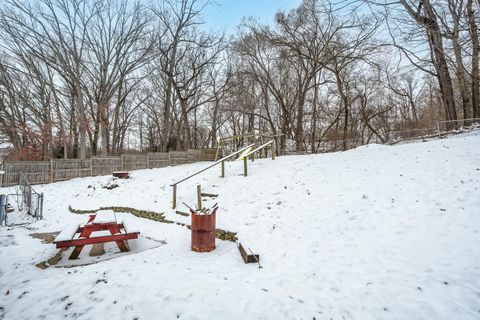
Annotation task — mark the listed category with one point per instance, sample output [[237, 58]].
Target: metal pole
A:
[[214, 164]]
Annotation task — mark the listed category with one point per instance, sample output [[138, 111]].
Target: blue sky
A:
[[229, 13]]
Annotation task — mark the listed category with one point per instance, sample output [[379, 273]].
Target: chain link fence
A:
[[458, 125], [390, 137], [23, 206]]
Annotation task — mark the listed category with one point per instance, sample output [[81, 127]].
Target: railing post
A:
[[199, 197], [245, 170], [174, 201], [273, 153], [223, 169]]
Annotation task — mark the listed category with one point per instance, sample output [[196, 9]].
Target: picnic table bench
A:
[[101, 221]]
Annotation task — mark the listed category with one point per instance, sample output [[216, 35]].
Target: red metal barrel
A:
[[203, 232]]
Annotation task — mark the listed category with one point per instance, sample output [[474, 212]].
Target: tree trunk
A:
[[314, 115], [102, 114], [82, 148], [214, 123], [168, 94], [475, 53], [430, 23]]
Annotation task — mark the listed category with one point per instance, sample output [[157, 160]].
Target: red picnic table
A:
[[101, 221]]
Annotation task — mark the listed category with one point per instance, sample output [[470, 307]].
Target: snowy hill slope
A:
[[379, 232]]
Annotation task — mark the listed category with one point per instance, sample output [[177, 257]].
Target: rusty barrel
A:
[[203, 232]]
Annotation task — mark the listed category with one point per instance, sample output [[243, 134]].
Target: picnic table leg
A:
[[123, 244], [78, 249], [76, 252]]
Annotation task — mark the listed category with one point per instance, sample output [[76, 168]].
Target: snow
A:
[[130, 227], [104, 216], [67, 233], [378, 232]]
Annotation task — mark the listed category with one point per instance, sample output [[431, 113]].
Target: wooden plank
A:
[[209, 195], [99, 239], [248, 258], [185, 214], [72, 170]]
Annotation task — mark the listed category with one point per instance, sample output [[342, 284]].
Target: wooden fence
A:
[[38, 172]]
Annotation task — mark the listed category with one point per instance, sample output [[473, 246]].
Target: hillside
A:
[[378, 232]]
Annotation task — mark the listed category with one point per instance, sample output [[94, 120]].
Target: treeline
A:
[[100, 77]]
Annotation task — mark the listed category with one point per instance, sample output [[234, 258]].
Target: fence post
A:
[[148, 164], [121, 158], [91, 167], [1, 174], [51, 170], [41, 206], [223, 169], [169, 159], [3, 209], [438, 129]]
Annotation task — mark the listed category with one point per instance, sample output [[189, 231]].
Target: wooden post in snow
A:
[[223, 169], [245, 170], [174, 200], [199, 197]]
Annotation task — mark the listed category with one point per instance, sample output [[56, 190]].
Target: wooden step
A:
[[210, 195], [185, 214]]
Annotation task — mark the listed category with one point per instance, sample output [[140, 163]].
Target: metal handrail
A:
[[259, 148], [174, 185], [214, 164]]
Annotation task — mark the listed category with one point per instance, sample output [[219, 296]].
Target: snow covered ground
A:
[[379, 232]]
